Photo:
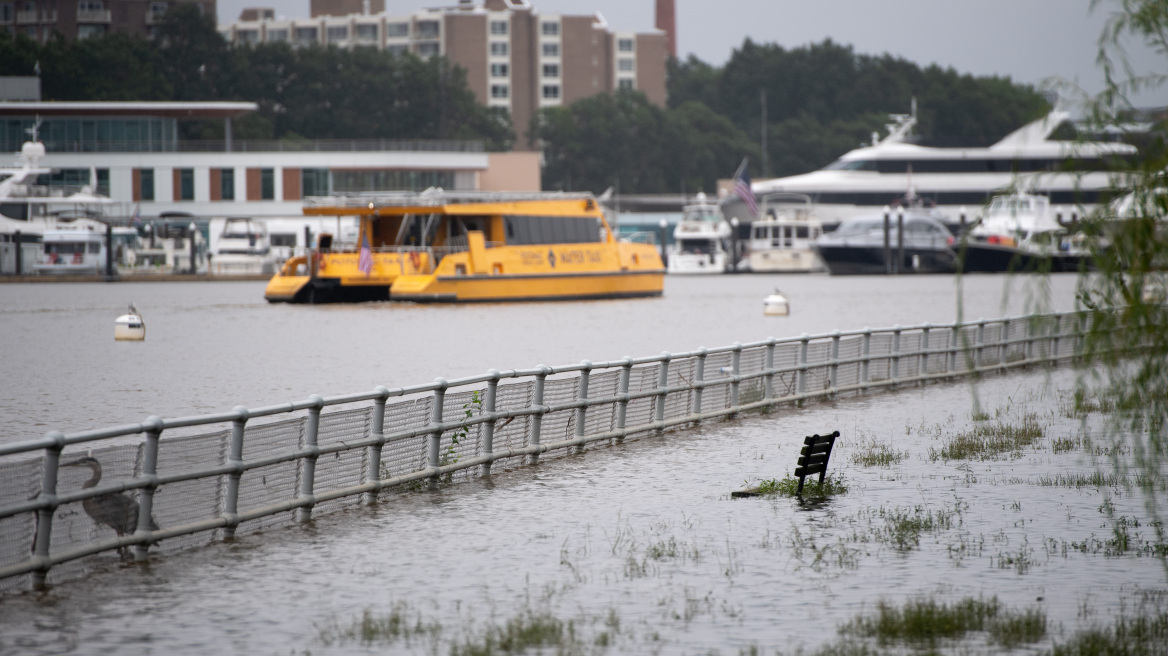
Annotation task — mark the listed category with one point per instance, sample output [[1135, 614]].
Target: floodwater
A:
[[638, 545]]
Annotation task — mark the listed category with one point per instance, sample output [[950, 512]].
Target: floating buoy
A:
[[776, 305], [130, 327]]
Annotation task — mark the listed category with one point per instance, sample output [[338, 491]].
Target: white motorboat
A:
[[242, 247], [1072, 174], [77, 248], [874, 244], [700, 240], [1018, 233], [783, 239]]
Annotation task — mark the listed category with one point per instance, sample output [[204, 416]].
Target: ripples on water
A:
[[575, 535]]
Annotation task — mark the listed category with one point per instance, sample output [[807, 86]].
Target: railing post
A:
[[1058, 331], [1030, 324], [954, 345], [435, 437], [662, 384], [235, 459], [622, 405], [146, 494], [895, 373], [582, 411], [1080, 331], [537, 406], [979, 346], [866, 352], [833, 370], [1003, 343], [699, 380], [802, 376], [44, 527], [768, 391], [373, 466], [309, 454], [735, 370], [489, 427], [923, 369]]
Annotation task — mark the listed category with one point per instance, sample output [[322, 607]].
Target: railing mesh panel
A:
[[187, 502], [849, 374], [403, 455], [264, 486], [19, 480], [335, 471], [513, 432]]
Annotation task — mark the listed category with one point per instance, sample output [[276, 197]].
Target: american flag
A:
[[365, 259], [742, 187], [136, 220]]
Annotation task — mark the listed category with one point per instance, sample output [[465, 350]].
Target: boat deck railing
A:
[[193, 479]]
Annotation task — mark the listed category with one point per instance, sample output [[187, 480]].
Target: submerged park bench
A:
[[813, 459]]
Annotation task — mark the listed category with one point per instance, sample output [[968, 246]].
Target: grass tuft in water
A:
[[989, 440], [877, 454], [925, 622], [1130, 636], [787, 486], [529, 630]]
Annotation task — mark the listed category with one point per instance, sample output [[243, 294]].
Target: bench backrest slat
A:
[[813, 457]]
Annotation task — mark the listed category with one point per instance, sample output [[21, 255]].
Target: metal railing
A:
[[252, 468]]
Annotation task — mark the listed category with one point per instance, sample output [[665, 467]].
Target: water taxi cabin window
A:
[[227, 184], [499, 70], [624, 45], [146, 179], [550, 29], [526, 230], [186, 184], [267, 184], [551, 50], [499, 27], [397, 29]]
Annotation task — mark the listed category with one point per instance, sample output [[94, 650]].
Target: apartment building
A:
[[79, 19], [516, 57]]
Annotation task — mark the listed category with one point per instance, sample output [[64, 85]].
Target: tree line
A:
[[821, 99]]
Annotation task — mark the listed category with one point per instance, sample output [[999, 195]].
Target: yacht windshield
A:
[[859, 226], [851, 165]]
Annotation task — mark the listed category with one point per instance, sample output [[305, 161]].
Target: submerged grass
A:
[[787, 486], [877, 454], [987, 441], [926, 622]]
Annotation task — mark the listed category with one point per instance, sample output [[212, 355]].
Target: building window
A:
[[499, 70], [397, 50], [83, 31], [551, 70], [624, 45], [337, 33], [103, 185], [549, 29], [157, 10], [7, 12], [146, 180], [314, 182], [428, 49], [227, 184], [366, 32], [498, 49], [267, 184], [86, 6], [624, 64], [305, 36], [626, 85], [551, 91], [247, 36], [277, 36], [427, 30], [499, 27], [500, 91], [397, 29], [551, 50], [186, 184]]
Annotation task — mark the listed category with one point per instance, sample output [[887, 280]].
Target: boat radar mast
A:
[[900, 129]]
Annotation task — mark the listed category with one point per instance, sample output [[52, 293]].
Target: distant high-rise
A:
[[515, 57], [40, 19], [667, 23]]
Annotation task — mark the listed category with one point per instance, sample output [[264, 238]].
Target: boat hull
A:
[[844, 260], [996, 258], [785, 260]]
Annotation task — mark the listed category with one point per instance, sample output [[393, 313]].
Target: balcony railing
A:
[[93, 15]]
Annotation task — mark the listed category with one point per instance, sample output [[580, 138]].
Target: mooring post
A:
[[19, 253], [735, 371], [802, 377], [489, 426], [866, 353], [662, 385], [309, 454], [44, 527], [109, 250], [769, 381], [373, 455], [622, 405], [887, 240], [895, 354], [900, 241], [146, 495], [833, 370], [435, 437], [582, 397], [538, 407], [925, 346], [235, 460]]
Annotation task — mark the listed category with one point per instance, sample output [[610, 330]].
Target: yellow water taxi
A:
[[440, 246]]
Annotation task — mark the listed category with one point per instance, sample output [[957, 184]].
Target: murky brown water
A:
[[641, 541]]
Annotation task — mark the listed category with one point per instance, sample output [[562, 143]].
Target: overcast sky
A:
[[1027, 40]]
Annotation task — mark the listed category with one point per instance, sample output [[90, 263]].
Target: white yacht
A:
[[1070, 173], [701, 240], [782, 240], [1018, 233], [77, 248], [241, 247]]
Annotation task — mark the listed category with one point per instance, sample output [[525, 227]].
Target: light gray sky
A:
[[1027, 40]]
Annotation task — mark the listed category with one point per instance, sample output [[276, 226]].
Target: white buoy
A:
[[130, 327], [776, 305]]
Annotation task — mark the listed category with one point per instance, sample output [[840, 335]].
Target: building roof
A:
[[130, 108]]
